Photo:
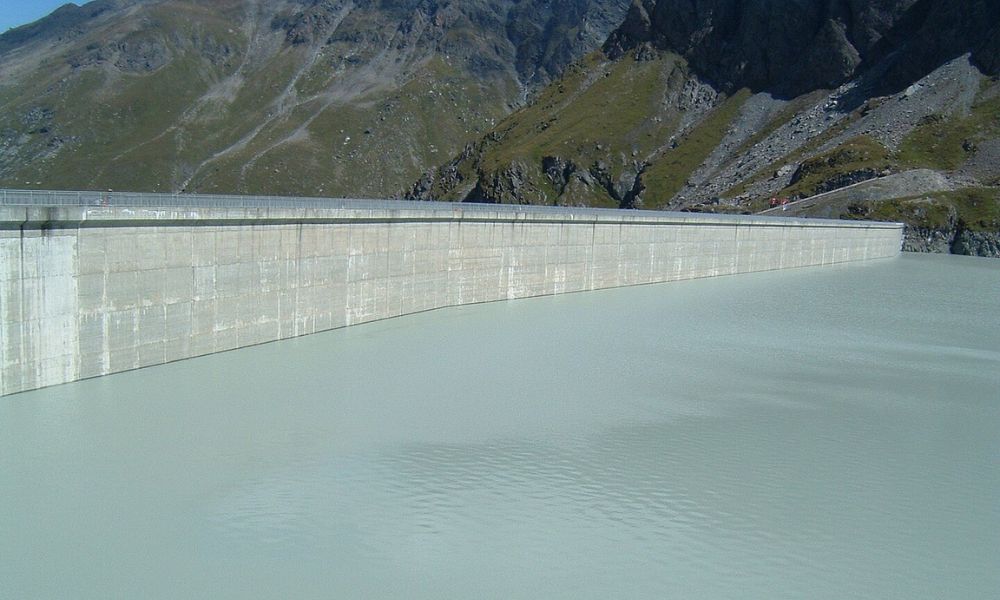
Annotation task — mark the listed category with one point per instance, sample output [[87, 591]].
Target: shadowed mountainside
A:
[[792, 48]]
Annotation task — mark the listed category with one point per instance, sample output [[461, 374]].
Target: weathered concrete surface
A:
[[88, 291]]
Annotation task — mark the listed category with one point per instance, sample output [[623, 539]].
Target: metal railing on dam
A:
[[93, 283]]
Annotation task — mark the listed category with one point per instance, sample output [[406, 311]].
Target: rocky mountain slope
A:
[[722, 105], [312, 97]]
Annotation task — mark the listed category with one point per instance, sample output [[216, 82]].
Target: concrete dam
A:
[[95, 283]]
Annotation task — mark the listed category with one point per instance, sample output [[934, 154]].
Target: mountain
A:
[[722, 105], [866, 108], [310, 97]]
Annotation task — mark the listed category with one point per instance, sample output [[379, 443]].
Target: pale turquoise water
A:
[[820, 433]]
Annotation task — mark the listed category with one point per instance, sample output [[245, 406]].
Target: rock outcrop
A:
[[791, 48]]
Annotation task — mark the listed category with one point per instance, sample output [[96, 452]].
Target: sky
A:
[[19, 12]]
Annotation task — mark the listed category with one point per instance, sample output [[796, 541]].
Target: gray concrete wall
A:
[[88, 291]]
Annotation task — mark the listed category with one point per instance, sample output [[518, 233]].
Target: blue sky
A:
[[19, 12]]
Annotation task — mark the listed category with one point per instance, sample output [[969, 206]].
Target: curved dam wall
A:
[[91, 290]]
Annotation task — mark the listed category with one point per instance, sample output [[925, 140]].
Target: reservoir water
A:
[[817, 433]]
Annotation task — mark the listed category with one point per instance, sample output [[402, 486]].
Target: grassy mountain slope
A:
[[319, 97], [602, 135]]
